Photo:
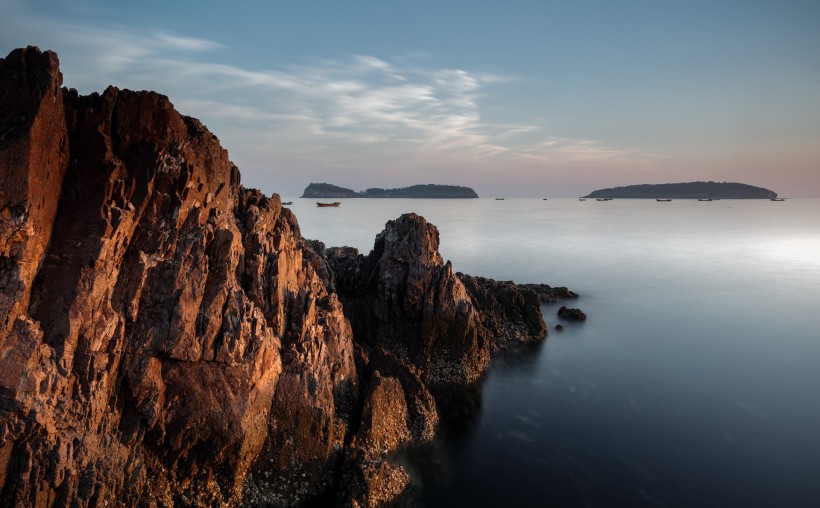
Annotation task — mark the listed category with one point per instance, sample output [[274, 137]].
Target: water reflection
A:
[[432, 467]]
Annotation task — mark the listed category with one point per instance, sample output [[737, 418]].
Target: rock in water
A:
[[404, 298], [510, 313], [168, 338], [571, 314]]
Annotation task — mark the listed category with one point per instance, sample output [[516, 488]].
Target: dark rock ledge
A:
[[168, 338]]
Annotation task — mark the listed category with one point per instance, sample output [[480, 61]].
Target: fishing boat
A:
[[500, 199], [287, 202], [335, 203], [777, 199], [581, 199], [603, 199], [544, 199], [704, 199], [662, 200]]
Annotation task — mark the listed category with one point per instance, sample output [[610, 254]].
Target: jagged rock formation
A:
[[688, 190], [548, 294], [168, 338], [512, 313], [402, 291]]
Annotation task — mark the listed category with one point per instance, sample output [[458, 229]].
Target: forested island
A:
[[429, 191], [169, 338], [689, 190]]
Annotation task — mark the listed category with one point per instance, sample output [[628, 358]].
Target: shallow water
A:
[[694, 382]]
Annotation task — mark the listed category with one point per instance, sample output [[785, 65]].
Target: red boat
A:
[[335, 203]]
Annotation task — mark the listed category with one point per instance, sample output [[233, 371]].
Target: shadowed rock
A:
[[158, 320], [510, 313], [548, 294], [168, 338], [571, 314], [404, 298]]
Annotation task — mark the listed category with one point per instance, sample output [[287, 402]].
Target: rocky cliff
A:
[[168, 338]]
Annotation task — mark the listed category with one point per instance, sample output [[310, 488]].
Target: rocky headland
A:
[[689, 190], [428, 191], [168, 337]]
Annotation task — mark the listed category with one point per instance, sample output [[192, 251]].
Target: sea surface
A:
[[694, 382]]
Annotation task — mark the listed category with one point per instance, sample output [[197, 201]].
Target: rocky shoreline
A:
[[168, 337]]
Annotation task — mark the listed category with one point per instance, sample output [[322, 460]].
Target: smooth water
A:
[[695, 381]]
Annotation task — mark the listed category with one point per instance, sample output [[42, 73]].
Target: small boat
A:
[[287, 202], [544, 199], [581, 199], [777, 199], [603, 199], [663, 200], [704, 199], [500, 199], [335, 203]]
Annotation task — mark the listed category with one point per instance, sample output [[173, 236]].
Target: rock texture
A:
[[404, 298], [688, 190], [168, 338], [548, 294], [428, 191], [510, 313]]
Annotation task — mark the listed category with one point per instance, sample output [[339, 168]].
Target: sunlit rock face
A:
[[168, 338]]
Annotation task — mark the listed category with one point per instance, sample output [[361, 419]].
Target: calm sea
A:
[[695, 381]]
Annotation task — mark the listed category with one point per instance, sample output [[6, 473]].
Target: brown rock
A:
[[33, 159], [383, 427], [548, 294], [571, 314], [372, 483], [511, 313]]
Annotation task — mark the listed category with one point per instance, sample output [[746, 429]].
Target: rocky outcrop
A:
[[688, 190], [427, 191], [404, 298], [164, 332], [168, 338], [571, 314], [548, 294], [510, 313]]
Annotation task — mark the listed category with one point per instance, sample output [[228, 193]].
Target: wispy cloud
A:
[[567, 152], [185, 43], [322, 111]]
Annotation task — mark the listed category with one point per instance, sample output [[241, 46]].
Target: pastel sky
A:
[[514, 98]]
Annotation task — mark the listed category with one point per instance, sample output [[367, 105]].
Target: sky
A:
[[513, 98]]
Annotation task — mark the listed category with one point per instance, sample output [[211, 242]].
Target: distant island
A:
[[689, 190], [429, 191]]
